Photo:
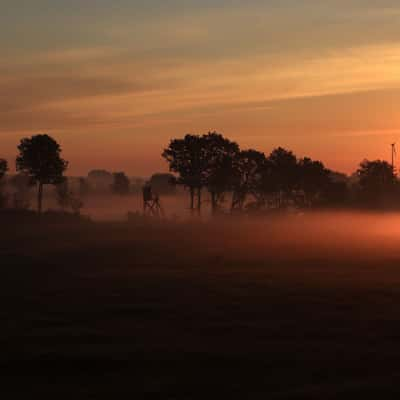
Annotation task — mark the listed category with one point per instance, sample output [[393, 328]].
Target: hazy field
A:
[[114, 207], [109, 207], [302, 307]]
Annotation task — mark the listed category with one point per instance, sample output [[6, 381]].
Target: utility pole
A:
[[393, 155]]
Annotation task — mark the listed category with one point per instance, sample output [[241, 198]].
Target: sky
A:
[[114, 81]]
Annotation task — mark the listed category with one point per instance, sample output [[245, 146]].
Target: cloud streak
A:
[[148, 71]]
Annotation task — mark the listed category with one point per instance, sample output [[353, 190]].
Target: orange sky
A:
[[114, 83]]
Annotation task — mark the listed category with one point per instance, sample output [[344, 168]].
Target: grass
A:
[[277, 309]]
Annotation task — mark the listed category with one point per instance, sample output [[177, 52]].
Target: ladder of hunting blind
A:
[[151, 204]]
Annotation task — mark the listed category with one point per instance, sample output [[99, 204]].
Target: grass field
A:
[[304, 307]]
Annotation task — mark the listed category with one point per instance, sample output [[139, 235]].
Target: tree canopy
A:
[[40, 158], [3, 167], [281, 180], [188, 158], [376, 181]]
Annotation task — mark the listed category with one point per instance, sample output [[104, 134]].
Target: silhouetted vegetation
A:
[[248, 175], [121, 184], [257, 182], [220, 172], [216, 173], [240, 295], [39, 157], [3, 170], [3, 167], [378, 185], [187, 158]]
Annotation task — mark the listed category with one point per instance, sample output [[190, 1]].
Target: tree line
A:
[[213, 168], [251, 180], [39, 163]]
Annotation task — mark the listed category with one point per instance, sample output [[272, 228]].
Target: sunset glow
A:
[[200, 199], [113, 82]]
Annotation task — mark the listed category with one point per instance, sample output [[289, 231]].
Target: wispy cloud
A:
[[256, 68]]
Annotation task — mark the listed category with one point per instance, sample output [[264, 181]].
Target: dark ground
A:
[[196, 311]]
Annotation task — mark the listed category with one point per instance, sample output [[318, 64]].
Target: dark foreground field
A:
[[301, 307]]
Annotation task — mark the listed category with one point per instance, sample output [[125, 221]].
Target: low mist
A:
[[116, 208]]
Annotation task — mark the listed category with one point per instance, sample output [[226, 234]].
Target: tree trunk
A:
[[40, 198], [213, 203], [199, 200], [191, 200], [241, 200], [233, 201]]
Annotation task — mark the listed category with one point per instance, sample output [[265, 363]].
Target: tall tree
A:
[[3, 170], [187, 157], [314, 179], [247, 169], [285, 173], [376, 181], [338, 191], [40, 158], [3, 167], [221, 153]]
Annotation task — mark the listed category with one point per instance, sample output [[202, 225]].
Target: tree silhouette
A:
[[121, 184], [188, 158], [247, 170], [285, 174], [266, 185], [3, 170], [221, 153], [313, 179], [280, 180], [376, 180], [3, 167], [39, 157], [338, 191]]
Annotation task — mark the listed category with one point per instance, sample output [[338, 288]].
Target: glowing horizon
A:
[[113, 84]]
